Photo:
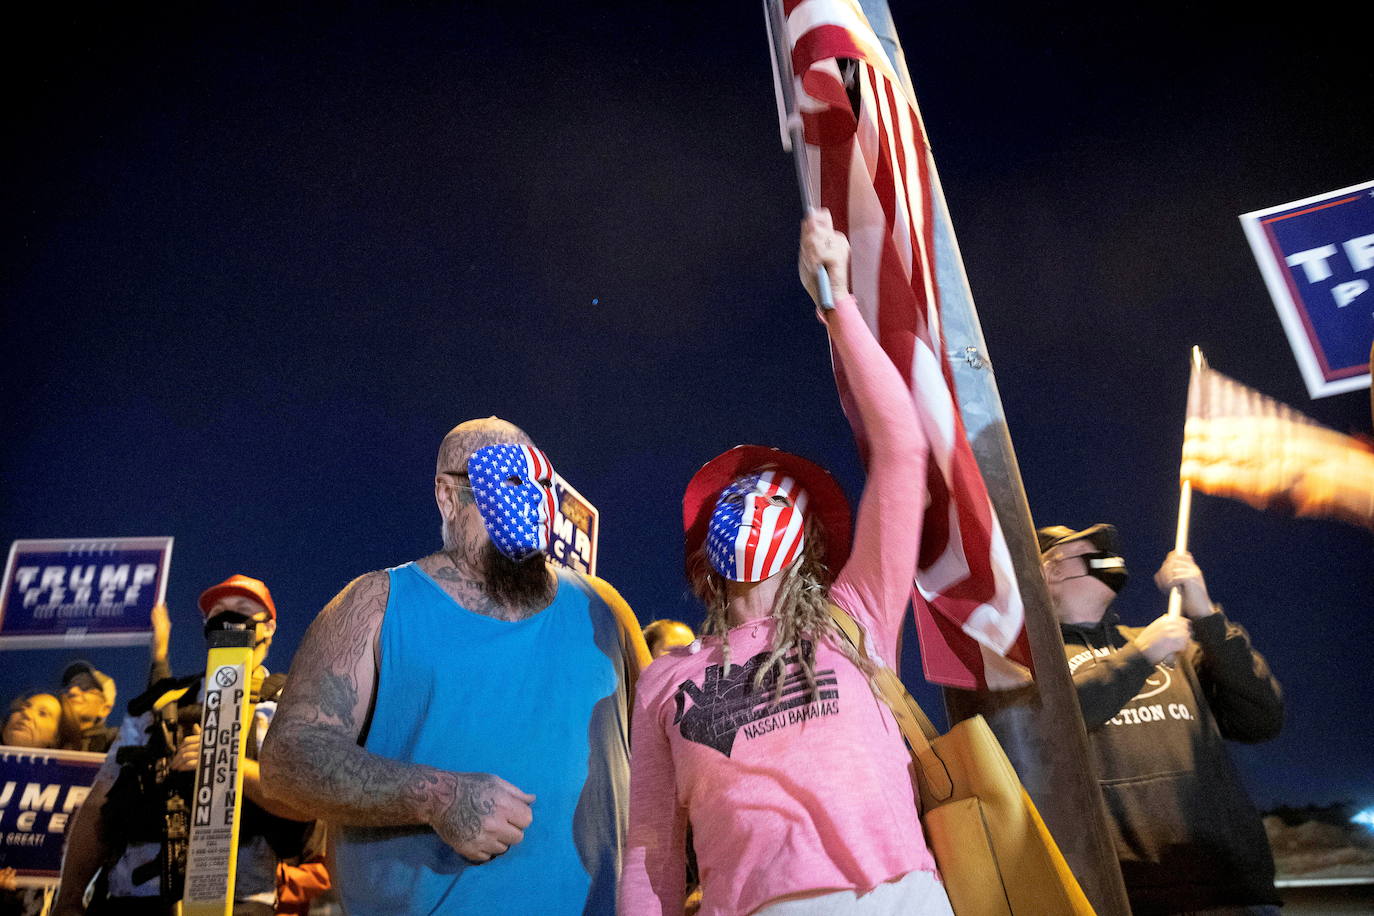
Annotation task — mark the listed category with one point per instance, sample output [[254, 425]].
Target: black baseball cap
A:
[[1102, 536], [95, 678]]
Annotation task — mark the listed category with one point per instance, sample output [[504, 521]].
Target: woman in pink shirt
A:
[[764, 735]]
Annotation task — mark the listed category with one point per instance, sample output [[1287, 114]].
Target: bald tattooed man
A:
[[462, 719]]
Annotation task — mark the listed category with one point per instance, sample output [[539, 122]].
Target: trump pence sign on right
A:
[[1317, 258]]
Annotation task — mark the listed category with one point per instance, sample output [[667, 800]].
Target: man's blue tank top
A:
[[543, 703]]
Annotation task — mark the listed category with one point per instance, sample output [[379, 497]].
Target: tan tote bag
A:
[[995, 854]]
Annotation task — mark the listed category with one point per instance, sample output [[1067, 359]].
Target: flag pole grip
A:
[[809, 204]]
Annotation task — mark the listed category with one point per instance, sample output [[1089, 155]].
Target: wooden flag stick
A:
[[1185, 511], [1185, 497]]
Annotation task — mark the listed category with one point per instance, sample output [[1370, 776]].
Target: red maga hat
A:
[[828, 503], [238, 585]]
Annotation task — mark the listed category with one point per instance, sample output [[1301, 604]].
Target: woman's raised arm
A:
[[876, 581]]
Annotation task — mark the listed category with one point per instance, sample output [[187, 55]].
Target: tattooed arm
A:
[[311, 754]]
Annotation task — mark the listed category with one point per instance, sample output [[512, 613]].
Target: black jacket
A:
[[1186, 833]]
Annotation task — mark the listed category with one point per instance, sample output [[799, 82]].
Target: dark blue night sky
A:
[[260, 259]]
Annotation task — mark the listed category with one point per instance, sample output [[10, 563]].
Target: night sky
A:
[[258, 260]]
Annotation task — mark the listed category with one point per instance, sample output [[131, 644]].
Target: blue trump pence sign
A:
[[82, 591], [1317, 258], [40, 791]]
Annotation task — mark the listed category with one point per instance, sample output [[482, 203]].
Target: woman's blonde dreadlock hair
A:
[[801, 610]]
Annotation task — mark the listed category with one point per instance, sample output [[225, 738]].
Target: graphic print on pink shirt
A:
[[724, 704]]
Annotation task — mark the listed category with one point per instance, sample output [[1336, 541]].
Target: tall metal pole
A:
[[1041, 726]]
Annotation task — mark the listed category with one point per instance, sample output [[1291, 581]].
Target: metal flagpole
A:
[[1040, 726], [791, 124]]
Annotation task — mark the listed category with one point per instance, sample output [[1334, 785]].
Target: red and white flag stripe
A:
[[541, 471], [779, 547], [874, 174], [540, 466]]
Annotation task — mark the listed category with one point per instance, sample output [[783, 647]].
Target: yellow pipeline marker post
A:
[[212, 856]]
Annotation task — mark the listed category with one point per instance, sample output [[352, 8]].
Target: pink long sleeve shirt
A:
[[812, 793]]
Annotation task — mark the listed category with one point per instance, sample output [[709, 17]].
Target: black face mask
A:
[[228, 620], [1107, 568]]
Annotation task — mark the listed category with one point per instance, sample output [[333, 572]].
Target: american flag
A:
[[874, 173], [1244, 445]]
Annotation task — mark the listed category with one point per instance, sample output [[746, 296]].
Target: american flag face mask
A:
[[758, 527], [513, 488]]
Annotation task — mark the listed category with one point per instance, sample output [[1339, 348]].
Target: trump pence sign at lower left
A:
[[40, 791]]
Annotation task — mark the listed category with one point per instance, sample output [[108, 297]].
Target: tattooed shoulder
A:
[[358, 607], [336, 663]]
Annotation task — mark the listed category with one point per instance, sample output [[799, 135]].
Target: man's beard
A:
[[511, 583], [515, 583]]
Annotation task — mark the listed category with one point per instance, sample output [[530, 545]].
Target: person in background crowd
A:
[[159, 647], [765, 735], [33, 721], [662, 635], [127, 820], [16, 901], [303, 881], [430, 704], [87, 697], [1157, 702]]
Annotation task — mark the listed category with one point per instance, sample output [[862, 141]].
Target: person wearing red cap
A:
[[122, 824], [244, 600], [765, 734], [463, 718]]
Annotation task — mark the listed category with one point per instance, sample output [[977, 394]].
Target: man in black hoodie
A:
[[1158, 701]]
